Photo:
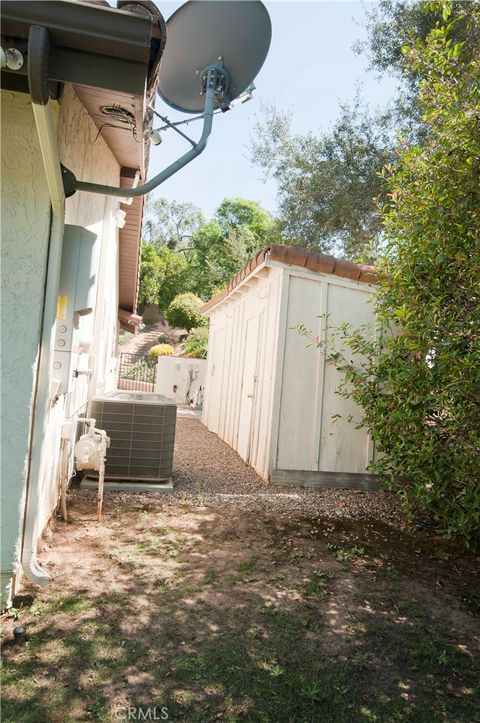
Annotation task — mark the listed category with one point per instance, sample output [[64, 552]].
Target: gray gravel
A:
[[207, 472]]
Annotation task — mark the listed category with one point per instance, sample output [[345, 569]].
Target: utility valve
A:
[[91, 448]]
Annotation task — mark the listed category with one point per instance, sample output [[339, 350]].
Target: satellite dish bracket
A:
[[222, 85], [214, 90]]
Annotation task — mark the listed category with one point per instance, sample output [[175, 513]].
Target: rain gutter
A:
[[38, 62]]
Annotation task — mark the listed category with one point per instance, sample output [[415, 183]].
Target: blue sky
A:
[[310, 69]]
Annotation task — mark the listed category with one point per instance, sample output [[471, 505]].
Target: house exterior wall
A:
[[25, 213], [239, 382], [283, 419], [25, 240], [96, 212]]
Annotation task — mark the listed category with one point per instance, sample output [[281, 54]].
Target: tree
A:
[[188, 254], [330, 187], [419, 388], [172, 224], [163, 274], [240, 212], [224, 245], [390, 24], [329, 184]]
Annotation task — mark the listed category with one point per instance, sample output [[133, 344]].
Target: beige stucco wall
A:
[[25, 236], [25, 223], [97, 214]]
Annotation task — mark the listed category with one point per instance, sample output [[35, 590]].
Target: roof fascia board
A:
[[244, 282], [98, 71], [92, 45], [77, 25]]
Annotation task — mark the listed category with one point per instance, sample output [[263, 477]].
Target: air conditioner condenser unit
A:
[[141, 427]]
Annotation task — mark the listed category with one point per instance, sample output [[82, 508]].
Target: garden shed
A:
[[269, 393]]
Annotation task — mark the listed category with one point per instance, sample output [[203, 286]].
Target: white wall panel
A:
[[225, 410], [299, 394], [343, 448], [288, 424]]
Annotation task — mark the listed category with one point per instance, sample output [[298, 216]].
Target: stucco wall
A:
[[25, 218], [179, 378], [25, 235], [96, 213]]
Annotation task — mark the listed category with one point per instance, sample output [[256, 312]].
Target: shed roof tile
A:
[[304, 258]]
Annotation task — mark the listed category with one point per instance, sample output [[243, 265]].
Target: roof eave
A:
[[92, 45]]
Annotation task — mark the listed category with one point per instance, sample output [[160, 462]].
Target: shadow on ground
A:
[[221, 615]]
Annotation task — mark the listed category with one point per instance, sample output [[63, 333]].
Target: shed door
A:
[[249, 379]]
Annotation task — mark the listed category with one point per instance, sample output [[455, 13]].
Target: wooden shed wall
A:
[[305, 435], [269, 393], [241, 364]]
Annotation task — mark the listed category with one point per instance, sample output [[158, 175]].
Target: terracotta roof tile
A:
[[346, 269], [320, 262], [304, 258], [288, 254]]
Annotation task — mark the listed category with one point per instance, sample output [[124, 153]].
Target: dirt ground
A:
[[186, 608]]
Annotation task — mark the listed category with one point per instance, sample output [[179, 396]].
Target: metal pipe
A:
[[173, 167], [38, 46]]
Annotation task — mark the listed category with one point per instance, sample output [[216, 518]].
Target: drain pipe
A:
[[38, 59]]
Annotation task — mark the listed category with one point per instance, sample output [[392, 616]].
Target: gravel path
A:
[[207, 472]]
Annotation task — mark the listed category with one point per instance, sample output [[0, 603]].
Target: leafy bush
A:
[[124, 337], [185, 312], [419, 386], [197, 343], [161, 350]]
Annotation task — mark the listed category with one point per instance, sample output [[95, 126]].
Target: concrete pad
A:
[[90, 483]]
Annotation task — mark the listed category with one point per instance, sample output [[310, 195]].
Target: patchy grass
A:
[[221, 616]]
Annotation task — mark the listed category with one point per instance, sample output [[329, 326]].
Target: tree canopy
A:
[[328, 184], [221, 247], [162, 274], [184, 252], [171, 223], [330, 187]]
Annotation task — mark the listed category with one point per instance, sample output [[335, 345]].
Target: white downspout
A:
[[44, 120]]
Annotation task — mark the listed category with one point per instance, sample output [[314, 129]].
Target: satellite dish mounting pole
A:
[[215, 78]]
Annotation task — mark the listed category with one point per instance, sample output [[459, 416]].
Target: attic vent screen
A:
[[118, 113]]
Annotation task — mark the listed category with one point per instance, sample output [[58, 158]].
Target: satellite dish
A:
[[232, 34]]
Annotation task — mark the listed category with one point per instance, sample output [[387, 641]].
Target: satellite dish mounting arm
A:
[[215, 82]]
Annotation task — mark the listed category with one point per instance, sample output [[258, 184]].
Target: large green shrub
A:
[[185, 312], [197, 343], [420, 385]]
